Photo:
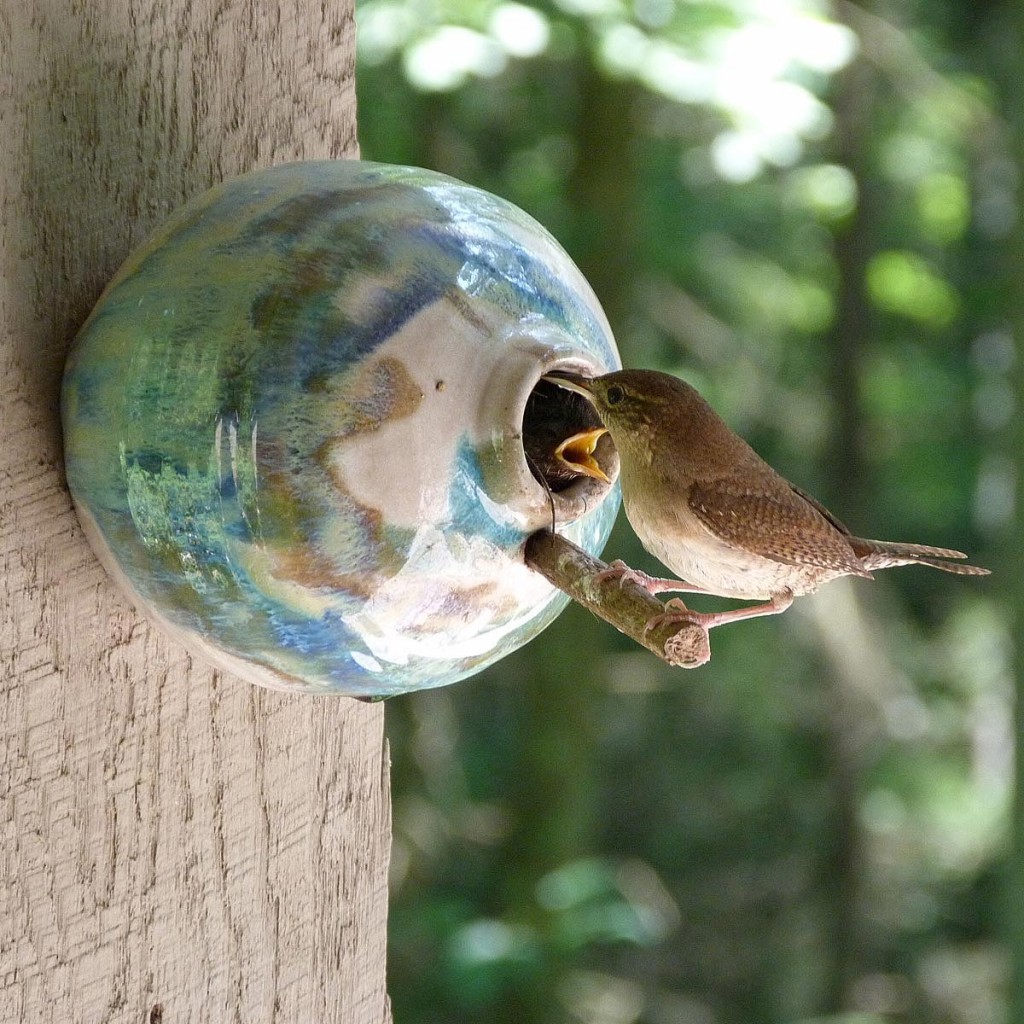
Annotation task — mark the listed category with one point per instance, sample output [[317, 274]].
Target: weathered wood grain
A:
[[174, 845]]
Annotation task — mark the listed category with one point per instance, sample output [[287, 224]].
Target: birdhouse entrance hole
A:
[[552, 416]]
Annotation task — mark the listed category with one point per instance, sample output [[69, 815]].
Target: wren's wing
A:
[[776, 521], [837, 523]]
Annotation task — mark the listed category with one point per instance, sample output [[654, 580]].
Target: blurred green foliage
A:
[[809, 212]]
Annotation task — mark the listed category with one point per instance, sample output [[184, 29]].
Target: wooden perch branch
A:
[[626, 606]]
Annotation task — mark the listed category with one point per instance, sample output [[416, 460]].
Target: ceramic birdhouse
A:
[[305, 428]]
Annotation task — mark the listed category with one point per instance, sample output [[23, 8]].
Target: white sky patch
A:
[[446, 58], [520, 31], [668, 70], [623, 48], [735, 157], [382, 29], [822, 45]]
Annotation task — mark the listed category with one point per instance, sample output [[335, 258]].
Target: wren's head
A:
[[642, 409], [663, 430]]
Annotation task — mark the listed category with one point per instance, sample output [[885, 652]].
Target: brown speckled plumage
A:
[[702, 500]]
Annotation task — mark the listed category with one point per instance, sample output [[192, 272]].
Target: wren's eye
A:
[[614, 394]]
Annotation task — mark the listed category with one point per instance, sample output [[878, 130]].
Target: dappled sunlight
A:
[[755, 66], [809, 212]]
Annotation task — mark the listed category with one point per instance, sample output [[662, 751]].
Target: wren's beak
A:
[[577, 452], [570, 381]]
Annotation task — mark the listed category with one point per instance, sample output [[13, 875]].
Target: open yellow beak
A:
[[577, 452]]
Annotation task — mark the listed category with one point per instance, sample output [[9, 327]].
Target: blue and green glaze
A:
[[292, 425]]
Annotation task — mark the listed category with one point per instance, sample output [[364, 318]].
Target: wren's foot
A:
[[618, 570], [676, 611], [652, 584]]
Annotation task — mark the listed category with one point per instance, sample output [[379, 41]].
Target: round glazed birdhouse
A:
[[305, 427]]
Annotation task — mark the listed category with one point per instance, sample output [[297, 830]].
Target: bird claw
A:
[[652, 584], [676, 611], [622, 572]]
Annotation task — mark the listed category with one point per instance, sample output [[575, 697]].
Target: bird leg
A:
[[652, 584], [676, 611]]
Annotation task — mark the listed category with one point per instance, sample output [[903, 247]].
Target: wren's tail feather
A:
[[882, 554]]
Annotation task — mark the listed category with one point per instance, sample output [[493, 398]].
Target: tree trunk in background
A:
[[855, 106], [603, 191], [176, 845], [840, 864]]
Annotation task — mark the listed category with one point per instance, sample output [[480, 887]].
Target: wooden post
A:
[[175, 845]]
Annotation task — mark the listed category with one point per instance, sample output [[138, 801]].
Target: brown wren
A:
[[703, 502]]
